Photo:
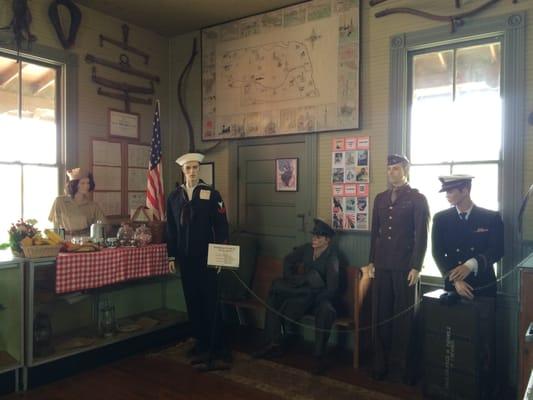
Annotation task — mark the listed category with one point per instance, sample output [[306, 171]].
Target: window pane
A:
[[432, 100], [10, 141], [478, 103], [445, 130], [40, 190], [38, 114], [11, 203]]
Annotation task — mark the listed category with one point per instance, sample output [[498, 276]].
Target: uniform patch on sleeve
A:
[[205, 194], [221, 208]]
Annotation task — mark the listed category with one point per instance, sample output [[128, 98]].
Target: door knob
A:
[[302, 216]]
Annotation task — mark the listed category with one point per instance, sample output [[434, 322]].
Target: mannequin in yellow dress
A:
[[75, 211]]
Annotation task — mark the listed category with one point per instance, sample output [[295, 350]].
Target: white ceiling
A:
[[174, 17]]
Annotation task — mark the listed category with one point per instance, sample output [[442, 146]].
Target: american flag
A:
[[155, 193]]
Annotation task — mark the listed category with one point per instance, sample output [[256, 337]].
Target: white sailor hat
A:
[[77, 173], [188, 157], [454, 181]]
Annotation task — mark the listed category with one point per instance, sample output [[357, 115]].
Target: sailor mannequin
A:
[[196, 216]]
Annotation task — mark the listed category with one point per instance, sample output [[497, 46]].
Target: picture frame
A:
[[286, 174], [124, 124]]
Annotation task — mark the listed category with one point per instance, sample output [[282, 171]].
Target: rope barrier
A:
[[365, 328]]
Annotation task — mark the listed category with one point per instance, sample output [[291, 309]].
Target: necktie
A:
[[394, 194], [462, 216]]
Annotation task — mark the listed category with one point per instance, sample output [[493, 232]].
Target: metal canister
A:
[[97, 232]]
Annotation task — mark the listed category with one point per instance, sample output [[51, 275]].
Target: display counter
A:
[[11, 315], [80, 302]]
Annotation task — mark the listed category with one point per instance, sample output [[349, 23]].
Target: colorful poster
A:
[[350, 177]]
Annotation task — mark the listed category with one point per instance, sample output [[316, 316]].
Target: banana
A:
[[54, 237]]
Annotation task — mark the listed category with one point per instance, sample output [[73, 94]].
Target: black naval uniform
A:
[[191, 226], [314, 291], [455, 241], [398, 244]]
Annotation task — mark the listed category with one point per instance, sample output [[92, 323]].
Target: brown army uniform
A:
[[398, 244]]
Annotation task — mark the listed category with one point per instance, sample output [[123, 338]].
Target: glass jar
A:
[[125, 235], [143, 235]]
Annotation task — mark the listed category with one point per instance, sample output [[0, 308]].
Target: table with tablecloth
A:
[[79, 271]]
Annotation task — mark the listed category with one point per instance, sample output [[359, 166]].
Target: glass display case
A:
[[11, 315], [62, 325]]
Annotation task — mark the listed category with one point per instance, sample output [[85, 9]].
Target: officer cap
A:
[[188, 157], [396, 159], [454, 181], [322, 229]]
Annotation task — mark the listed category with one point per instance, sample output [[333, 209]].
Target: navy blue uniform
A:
[[191, 226], [455, 241]]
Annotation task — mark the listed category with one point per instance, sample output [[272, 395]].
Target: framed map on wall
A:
[[292, 70]]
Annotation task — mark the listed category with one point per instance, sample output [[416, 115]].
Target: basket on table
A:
[[143, 215], [49, 250]]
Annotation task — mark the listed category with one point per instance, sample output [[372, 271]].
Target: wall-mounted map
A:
[[288, 71]]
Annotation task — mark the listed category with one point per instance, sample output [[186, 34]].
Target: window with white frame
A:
[[455, 123], [30, 140]]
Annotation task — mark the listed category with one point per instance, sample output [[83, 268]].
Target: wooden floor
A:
[[142, 378], [146, 377]]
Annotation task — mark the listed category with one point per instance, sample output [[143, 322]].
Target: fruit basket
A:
[[41, 251]]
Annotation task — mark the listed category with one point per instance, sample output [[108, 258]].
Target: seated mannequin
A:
[[75, 212], [315, 290]]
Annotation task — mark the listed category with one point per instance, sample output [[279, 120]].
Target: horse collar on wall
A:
[[75, 21]]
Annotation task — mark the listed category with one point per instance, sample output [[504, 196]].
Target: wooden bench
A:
[[268, 269]]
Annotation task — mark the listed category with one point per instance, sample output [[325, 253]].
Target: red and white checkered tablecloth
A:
[[78, 271]]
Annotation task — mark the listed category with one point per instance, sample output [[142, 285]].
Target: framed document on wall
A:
[[123, 124]]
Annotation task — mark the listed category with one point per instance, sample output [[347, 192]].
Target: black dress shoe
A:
[[319, 367], [270, 351], [195, 351], [409, 380], [379, 375], [212, 365], [200, 359]]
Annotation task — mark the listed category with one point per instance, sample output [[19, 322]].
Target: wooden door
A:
[[279, 219]]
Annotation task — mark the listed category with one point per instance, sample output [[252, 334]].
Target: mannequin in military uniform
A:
[[467, 240], [400, 220], [314, 290], [76, 212], [196, 216]]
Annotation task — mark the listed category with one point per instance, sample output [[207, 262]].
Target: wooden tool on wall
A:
[[124, 45], [122, 86], [124, 97], [124, 89], [455, 20], [123, 66]]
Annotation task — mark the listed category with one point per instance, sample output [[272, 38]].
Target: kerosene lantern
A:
[[107, 323]]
